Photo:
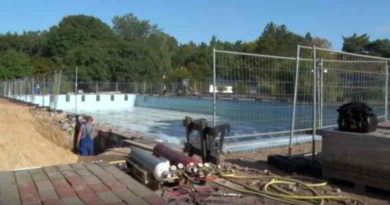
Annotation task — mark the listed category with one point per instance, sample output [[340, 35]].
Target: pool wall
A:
[[87, 102]]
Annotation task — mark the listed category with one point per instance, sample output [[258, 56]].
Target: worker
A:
[[79, 122], [85, 140], [37, 90]]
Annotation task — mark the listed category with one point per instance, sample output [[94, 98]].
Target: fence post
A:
[[116, 87], [321, 90], [294, 103], [43, 91], [76, 91], [57, 91], [387, 91], [97, 87], [25, 89], [33, 91], [214, 89], [144, 92], [314, 101]]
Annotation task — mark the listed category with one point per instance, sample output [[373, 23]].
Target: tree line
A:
[[133, 49]]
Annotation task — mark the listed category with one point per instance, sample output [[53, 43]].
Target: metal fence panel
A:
[[254, 91], [345, 77]]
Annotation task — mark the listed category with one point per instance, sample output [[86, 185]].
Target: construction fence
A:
[[264, 95]]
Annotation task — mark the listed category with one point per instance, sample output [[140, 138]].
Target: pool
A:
[[162, 116]]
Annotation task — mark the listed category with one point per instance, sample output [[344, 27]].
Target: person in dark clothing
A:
[[87, 134], [79, 122]]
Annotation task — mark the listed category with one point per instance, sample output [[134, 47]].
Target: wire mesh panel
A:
[[345, 77], [254, 92]]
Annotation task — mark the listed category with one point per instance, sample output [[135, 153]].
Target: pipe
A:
[[173, 156], [139, 145], [152, 164]]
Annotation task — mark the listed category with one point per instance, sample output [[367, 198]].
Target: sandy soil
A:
[[21, 143]]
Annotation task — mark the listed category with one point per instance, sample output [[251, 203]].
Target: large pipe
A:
[[173, 156], [152, 164]]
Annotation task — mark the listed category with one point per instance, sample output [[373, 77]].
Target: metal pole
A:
[[57, 91], [387, 92], [32, 91], [76, 87], [25, 89], [321, 93], [295, 103], [214, 89], [43, 91], [314, 101], [97, 87]]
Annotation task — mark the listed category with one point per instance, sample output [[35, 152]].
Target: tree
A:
[[362, 44], [154, 48], [321, 43], [42, 65], [75, 31], [378, 48], [14, 64], [355, 43], [277, 40], [131, 28]]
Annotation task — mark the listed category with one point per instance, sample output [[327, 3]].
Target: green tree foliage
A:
[[75, 31], [154, 49], [277, 40], [131, 28], [355, 43], [14, 64], [379, 48]]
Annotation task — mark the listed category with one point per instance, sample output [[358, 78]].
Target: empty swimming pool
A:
[[162, 116]]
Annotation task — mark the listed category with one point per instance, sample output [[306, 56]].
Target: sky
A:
[[198, 20]]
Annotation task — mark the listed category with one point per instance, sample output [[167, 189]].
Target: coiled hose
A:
[[283, 195]]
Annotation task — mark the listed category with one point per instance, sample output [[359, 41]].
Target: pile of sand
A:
[[21, 145]]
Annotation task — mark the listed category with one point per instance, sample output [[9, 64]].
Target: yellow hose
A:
[[118, 162], [272, 182], [256, 193], [233, 176], [273, 186], [289, 196]]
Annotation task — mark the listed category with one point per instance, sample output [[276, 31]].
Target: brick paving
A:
[[73, 184]]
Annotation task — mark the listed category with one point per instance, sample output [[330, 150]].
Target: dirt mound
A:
[[22, 143]]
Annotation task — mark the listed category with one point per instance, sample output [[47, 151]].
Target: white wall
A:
[[89, 103]]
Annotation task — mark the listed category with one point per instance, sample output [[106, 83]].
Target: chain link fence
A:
[[40, 89]]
